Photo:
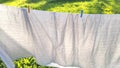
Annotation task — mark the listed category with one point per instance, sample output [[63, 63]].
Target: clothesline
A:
[[81, 12]]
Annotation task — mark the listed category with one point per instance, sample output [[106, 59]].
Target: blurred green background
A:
[[28, 62], [69, 6]]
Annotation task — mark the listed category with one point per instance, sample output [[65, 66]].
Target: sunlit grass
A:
[[89, 6], [28, 62]]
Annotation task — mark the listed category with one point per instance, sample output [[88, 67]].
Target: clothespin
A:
[[81, 13], [28, 9]]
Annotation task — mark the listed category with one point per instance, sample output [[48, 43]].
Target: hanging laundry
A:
[[68, 40]]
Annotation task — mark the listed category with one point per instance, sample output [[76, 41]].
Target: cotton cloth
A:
[[91, 41]]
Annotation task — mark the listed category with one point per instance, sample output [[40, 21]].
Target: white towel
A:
[[68, 40]]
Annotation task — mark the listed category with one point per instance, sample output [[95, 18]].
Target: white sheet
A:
[[68, 40]]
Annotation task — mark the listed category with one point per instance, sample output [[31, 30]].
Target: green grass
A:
[[28, 62], [2, 65], [69, 6]]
